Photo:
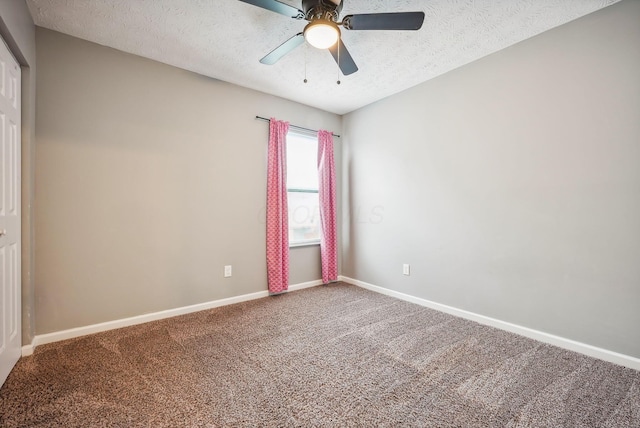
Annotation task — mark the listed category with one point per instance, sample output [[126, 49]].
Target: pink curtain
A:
[[327, 196], [277, 221]]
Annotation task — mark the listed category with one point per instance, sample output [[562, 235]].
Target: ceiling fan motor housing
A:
[[321, 9]]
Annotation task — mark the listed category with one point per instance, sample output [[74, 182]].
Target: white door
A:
[[10, 289]]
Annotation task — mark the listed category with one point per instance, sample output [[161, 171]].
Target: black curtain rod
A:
[[297, 127]]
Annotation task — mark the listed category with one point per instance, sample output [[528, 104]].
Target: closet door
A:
[[10, 289]]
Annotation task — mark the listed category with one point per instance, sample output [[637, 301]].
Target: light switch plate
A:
[[406, 269]]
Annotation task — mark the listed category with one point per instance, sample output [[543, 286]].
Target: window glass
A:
[[302, 154]]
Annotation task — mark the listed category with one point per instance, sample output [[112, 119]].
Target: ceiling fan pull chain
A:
[[305, 63], [338, 82]]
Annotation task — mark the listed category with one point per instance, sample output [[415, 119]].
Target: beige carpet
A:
[[327, 356]]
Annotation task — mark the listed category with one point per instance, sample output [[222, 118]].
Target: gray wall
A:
[[149, 180], [511, 185], [18, 31]]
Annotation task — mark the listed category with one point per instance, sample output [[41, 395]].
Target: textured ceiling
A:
[[225, 39]]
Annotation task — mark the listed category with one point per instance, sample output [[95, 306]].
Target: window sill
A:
[[304, 244]]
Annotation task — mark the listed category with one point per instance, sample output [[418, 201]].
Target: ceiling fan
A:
[[323, 30]]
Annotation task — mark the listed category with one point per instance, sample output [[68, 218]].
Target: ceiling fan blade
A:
[[384, 21], [343, 58], [275, 55], [277, 7]]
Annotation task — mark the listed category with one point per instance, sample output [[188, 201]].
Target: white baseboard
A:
[[561, 342], [42, 339], [304, 285], [27, 350]]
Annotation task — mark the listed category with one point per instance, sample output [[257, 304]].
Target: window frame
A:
[[309, 136]]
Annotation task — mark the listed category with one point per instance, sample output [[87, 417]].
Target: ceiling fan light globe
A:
[[322, 34]]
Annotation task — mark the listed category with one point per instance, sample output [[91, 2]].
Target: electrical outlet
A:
[[406, 269], [227, 271]]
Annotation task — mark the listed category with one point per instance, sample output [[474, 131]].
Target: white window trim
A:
[[305, 244]]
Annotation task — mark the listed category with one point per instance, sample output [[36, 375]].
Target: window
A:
[[302, 188]]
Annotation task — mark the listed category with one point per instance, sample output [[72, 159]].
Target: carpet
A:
[[327, 356]]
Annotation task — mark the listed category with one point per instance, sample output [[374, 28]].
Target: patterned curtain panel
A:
[[327, 196], [277, 221]]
